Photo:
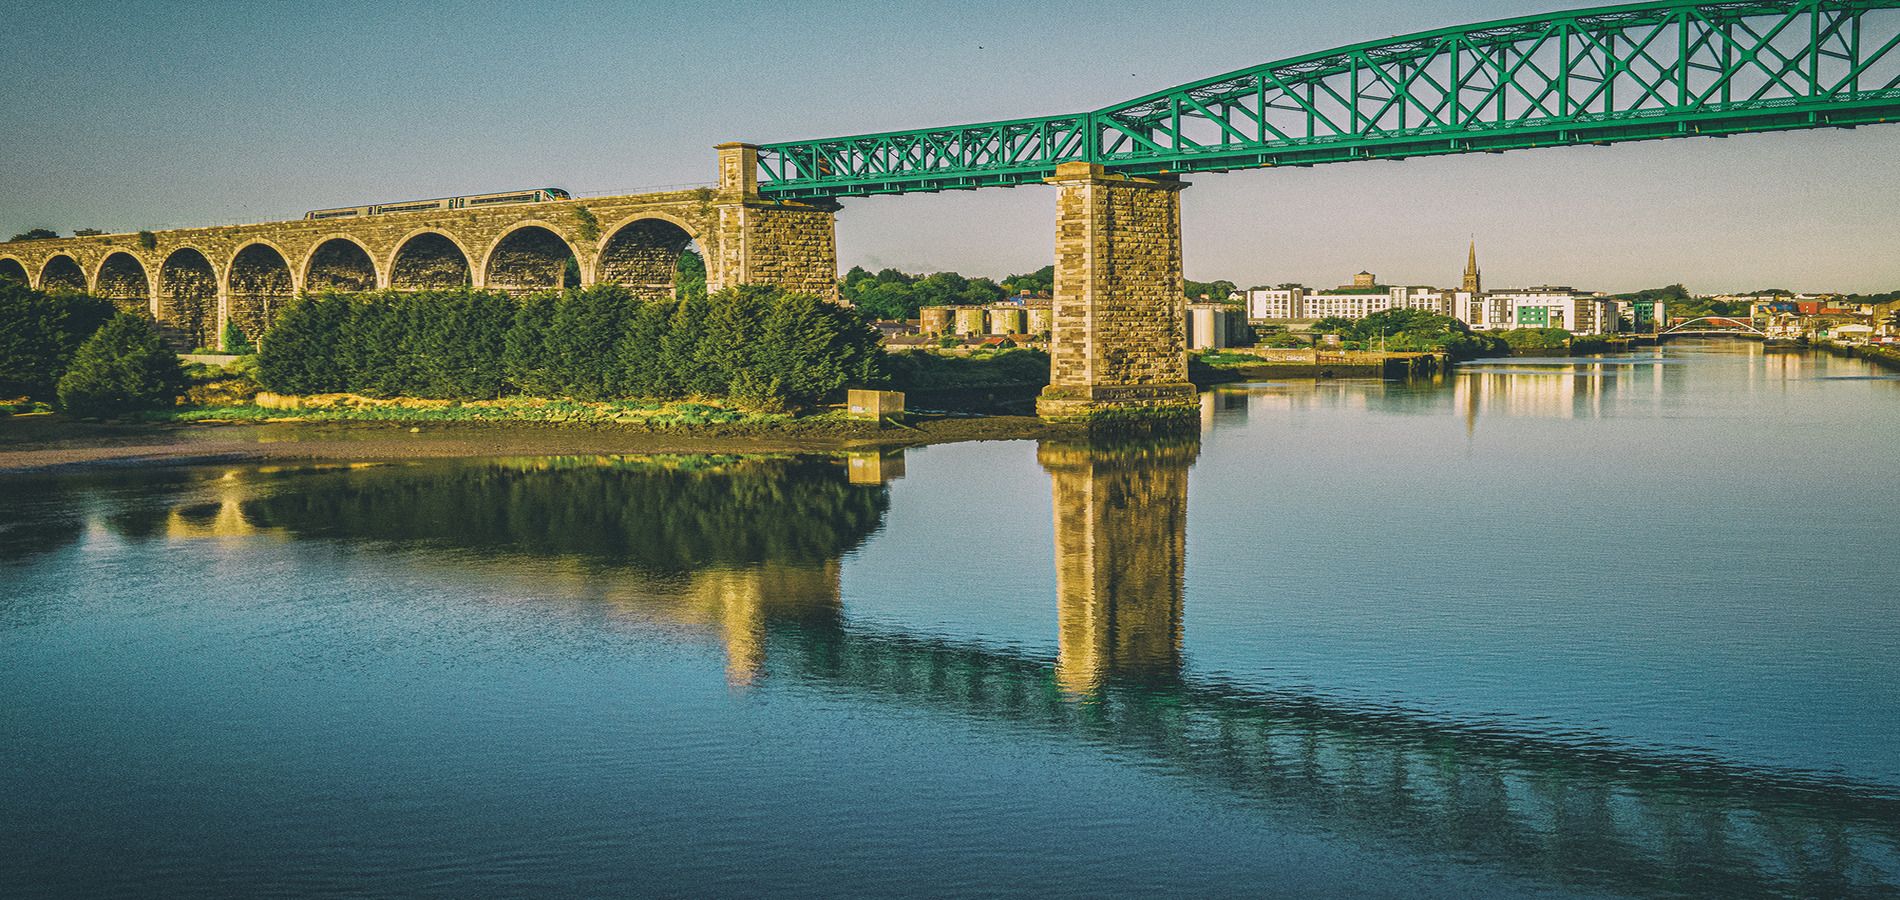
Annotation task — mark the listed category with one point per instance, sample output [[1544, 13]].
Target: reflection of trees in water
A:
[[660, 514], [45, 514], [42, 516]]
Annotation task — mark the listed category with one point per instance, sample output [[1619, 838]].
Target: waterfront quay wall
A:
[[1884, 357], [1281, 362]]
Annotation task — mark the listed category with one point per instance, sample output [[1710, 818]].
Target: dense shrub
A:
[[123, 367], [919, 371], [39, 334], [301, 353], [234, 341], [1536, 338], [758, 345], [1412, 330]]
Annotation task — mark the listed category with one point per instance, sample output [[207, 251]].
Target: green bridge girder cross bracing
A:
[[1639, 71]]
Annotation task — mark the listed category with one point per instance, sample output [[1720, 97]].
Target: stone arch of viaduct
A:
[[195, 280]]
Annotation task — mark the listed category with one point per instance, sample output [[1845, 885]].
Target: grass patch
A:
[[349, 408], [22, 406], [1220, 359], [926, 371]]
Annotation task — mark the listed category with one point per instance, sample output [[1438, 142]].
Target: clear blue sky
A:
[[155, 114]]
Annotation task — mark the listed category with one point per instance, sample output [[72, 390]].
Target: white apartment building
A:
[[1482, 311], [1543, 306], [1300, 304]]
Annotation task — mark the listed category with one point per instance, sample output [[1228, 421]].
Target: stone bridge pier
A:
[[1118, 348]]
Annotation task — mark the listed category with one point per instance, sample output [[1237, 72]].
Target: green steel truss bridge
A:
[[1640, 71]]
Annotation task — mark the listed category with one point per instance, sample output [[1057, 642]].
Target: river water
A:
[[1618, 626]]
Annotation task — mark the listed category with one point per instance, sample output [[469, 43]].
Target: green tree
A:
[[301, 352], [39, 334], [379, 356], [583, 339], [689, 276], [891, 294], [464, 336], [35, 234], [730, 344], [527, 363], [640, 353], [123, 367], [1411, 330], [1041, 281], [1536, 338], [234, 341], [679, 349], [1216, 291], [808, 350]]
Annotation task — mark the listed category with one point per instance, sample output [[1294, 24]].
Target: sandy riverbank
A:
[[46, 443]]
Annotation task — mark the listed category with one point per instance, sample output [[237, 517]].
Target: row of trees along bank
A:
[[756, 345], [78, 352]]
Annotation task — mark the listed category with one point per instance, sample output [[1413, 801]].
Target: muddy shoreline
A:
[[49, 443]]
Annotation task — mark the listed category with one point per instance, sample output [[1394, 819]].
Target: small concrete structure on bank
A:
[[880, 405]]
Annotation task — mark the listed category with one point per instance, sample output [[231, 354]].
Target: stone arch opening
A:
[[124, 281], [62, 273], [529, 258], [429, 260], [13, 270], [188, 300], [340, 264], [645, 256], [260, 285]]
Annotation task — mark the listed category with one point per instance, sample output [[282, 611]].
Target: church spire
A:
[[1472, 283]]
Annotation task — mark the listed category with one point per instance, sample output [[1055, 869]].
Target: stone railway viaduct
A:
[[194, 280]]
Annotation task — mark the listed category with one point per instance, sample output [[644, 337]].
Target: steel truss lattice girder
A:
[[1641, 71]]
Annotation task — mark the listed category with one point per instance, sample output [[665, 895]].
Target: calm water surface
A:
[[1608, 627]]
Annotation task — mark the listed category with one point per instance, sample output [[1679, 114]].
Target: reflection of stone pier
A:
[[742, 602], [1121, 558]]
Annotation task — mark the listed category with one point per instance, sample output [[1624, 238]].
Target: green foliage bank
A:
[[124, 367], [39, 336], [758, 346], [1412, 331]]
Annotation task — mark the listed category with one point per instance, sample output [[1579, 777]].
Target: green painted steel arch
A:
[[1640, 71]]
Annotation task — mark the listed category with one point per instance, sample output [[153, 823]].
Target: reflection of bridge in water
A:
[[672, 542], [1574, 814]]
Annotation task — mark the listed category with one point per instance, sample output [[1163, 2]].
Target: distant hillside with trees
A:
[[894, 294]]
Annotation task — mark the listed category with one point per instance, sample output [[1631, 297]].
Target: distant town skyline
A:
[[216, 114]]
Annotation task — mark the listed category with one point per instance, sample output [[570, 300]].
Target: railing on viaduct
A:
[[1595, 76]]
